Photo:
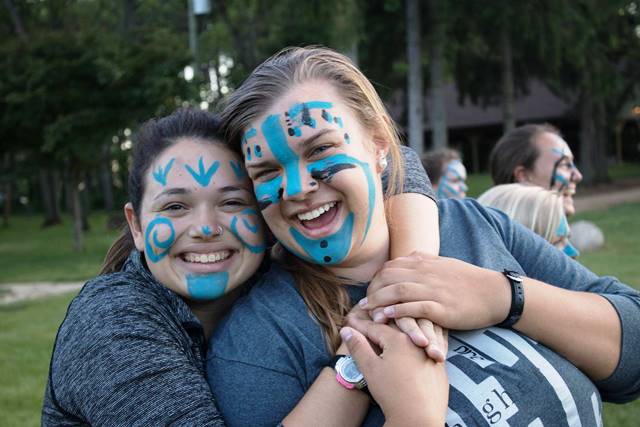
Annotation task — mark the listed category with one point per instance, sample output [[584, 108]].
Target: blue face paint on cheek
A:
[[207, 286], [253, 228], [277, 142], [202, 176], [329, 250], [571, 250], [563, 228], [268, 193], [160, 173], [325, 169], [564, 182], [154, 248]]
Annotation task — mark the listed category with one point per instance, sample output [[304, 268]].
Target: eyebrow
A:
[[308, 141], [171, 192], [231, 188]]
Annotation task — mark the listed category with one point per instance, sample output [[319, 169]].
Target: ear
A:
[[521, 175], [134, 226], [381, 146]]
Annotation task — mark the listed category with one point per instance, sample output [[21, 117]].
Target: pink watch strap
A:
[[344, 383]]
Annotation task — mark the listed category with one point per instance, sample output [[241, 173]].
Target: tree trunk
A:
[[600, 154], [106, 181], [414, 78], [84, 189], [438, 117], [49, 198], [16, 20], [7, 190], [78, 235], [587, 137], [508, 107]]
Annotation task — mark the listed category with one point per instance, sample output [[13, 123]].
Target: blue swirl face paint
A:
[[151, 239], [207, 286], [253, 228], [325, 169], [202, 176], [329, 250], [160, 173]]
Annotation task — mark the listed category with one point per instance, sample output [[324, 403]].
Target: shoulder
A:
[[456, 213]]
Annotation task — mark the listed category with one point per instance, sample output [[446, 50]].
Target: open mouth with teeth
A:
[[208, 258], [319, 217]]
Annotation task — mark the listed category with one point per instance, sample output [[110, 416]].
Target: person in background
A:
[[536, 154], [536, 208], [447, 173]]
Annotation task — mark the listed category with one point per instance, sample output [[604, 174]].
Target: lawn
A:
[[28, 328], [30, 253]]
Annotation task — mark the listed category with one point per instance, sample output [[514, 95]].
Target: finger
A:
[[359, 348], [359, 322], [397, 293], [389, 275], [382, 335], [378, 315], [423, 309], [434, 336], [409, 326]]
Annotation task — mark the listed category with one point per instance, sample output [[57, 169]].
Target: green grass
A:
[[478, 183], [26, 339], [28, 329], [29, 252]]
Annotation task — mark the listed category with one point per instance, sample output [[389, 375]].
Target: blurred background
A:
[[77, 77]]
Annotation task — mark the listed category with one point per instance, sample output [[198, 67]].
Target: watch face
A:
[[349, 370]]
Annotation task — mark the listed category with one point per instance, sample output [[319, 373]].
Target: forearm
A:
[[581, 326], [326, 399]]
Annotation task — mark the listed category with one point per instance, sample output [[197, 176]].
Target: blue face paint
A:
[[559, 151], [338, 121], [571, 250], [245, 142], [325, 169], [151, 239], [206, 230], [238, 169], [160, 173], [563, 228], [253, 228], [347, 139], [300, 115], [561, 179], [268, 193], [329, 250], [277, 142], [207, 286], [203, 177], [327, 116]]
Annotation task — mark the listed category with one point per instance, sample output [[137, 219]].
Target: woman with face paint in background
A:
[[537, 209], [131, 348], [544, 338], [447, 173]]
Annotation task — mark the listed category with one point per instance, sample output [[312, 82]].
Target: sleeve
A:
[[416, 179], [124, 363], [543, 262]]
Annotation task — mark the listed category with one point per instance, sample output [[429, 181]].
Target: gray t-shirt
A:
[[266, 354]]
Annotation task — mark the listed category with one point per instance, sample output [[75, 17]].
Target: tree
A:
[[415, 93]]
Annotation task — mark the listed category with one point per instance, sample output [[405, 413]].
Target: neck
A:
[[209, 313]]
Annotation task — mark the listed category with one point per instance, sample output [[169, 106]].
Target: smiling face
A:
[[554, 168], [198, 227], [316, 177], [452, 183]]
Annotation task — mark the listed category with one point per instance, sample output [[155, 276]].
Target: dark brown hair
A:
[[516, 148], [153, 137]]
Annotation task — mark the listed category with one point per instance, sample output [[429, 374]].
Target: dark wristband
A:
[[517, 299]]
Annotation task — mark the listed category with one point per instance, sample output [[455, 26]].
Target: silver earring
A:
[[382, 162]]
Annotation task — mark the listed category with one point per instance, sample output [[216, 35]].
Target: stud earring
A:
[[382, 162]]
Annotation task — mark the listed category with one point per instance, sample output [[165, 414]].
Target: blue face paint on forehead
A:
[[246, 148], [202, 176], [300, 115], [205, 287], [238, 170], [160, 173], [151, 239]]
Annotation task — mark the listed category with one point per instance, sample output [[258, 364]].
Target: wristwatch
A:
[[347, 372], [517, 299]]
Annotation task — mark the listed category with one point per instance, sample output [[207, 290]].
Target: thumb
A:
[[359, 348]]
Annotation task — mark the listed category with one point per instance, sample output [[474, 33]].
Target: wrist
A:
[[516, 301]]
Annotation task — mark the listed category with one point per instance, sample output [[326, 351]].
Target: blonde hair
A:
[[536, 208], [327, 301]]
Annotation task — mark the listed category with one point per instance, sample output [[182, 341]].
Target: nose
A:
[[205, 226], [298, 184], [576, 176]]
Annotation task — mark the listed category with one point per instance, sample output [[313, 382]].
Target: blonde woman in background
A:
[[536, 208]]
